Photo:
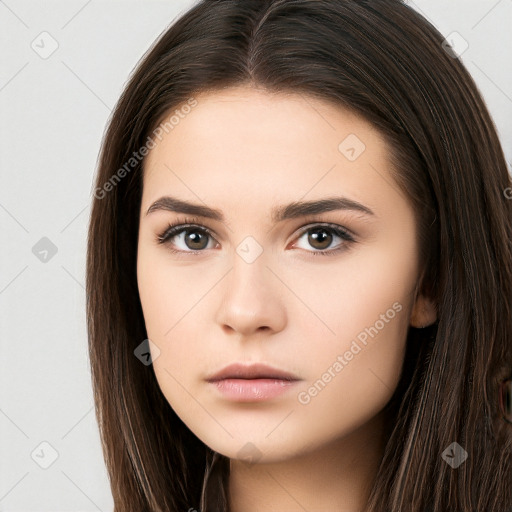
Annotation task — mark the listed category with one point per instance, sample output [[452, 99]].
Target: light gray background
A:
[[53, 113]]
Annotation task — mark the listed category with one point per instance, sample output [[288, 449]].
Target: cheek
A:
[[352, 376], [360, 341], [164, 290], [171, 301], [350, 392], [354, 297]]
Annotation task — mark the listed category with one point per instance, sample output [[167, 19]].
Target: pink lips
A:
[[252, 383]]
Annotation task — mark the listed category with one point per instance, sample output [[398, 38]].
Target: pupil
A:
[[195, 238], [316, 236]]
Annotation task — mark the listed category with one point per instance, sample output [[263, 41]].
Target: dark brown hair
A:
[[385, 62]]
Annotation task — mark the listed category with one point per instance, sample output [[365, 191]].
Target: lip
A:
[[252, 371], [252, 390], [252, 383]]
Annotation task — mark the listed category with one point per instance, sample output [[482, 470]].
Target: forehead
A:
[[248, 143], [248, 116]]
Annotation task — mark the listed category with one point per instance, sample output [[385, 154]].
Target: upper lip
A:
[[253, 371]]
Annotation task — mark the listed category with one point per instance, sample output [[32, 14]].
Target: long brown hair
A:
[[385, 62]]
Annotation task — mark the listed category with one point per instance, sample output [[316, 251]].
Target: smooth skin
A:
[[244, 151]]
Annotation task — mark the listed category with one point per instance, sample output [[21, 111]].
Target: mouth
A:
[[252, 371], [254, 383]]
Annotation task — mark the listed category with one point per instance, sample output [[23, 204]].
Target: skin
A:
[[244, 151]]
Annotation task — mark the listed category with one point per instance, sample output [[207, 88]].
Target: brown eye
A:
[[319, 238], [195, 240], [191, 238]]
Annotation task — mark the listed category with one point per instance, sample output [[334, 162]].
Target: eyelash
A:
[[179, 226]]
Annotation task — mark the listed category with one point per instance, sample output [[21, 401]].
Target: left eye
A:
[[320, 237], [195, 238]]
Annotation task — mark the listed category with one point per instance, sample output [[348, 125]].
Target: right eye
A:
[[193, 240]]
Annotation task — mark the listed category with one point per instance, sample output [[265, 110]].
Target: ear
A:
[[423, 313]]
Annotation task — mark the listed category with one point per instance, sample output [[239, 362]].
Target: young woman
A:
[[299, 269]]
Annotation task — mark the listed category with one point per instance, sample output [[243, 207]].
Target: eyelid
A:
[[182, 225], [310, 221]]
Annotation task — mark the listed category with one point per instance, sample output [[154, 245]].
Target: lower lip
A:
[[252, 390]]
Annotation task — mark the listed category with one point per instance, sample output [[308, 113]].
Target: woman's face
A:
[[254, 288]]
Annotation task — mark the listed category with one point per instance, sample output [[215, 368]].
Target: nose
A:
[[252, 299]]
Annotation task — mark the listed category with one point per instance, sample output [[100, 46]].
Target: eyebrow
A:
[[290, 211]]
